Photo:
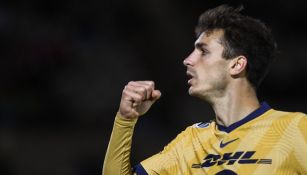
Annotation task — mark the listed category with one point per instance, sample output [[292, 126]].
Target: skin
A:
[[137, 98], [220, 82]]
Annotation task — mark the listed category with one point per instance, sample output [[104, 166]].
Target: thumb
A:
[[156, 94]]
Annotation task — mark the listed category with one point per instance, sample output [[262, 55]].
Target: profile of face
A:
[[206, 68]]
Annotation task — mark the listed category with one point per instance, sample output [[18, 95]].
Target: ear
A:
[[238, 65]]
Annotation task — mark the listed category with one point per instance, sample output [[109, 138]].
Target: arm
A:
[[137, 98], [117, 159]]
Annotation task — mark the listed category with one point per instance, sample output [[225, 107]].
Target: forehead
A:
[[211, 38]]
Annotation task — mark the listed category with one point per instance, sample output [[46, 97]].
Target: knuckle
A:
[[130, 82], [126, 98], [148, 88], [125, 92], [143, 89], [151, 84]]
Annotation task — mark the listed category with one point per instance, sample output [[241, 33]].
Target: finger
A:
[[150, 86], [145, 88], [131, 96], [141, 90], [149, 83], [156, 94]]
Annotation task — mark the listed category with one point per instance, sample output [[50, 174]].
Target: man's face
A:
[[206, 68]]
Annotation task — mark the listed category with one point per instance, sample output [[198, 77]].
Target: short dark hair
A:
[[243, 35]]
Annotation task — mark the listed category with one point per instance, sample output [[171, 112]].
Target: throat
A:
[[234, 113]]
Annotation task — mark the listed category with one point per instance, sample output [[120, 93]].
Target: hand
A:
[[137, 98]]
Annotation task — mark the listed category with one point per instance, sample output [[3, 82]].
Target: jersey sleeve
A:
[[301, 144], [166, 161], [117, 159]]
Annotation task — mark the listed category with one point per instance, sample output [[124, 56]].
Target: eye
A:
[[204, 51]]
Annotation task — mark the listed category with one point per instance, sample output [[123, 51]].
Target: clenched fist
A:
[[137, 98]]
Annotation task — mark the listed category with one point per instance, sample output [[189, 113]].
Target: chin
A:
[[193, 91], [199, 93]]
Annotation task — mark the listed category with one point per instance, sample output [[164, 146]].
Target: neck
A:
[[236, 104]]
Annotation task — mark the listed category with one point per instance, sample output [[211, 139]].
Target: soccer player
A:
[[232, 55]]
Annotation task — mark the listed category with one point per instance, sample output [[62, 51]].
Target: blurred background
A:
[[64, 63]]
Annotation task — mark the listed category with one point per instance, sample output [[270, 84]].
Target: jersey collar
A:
[[258, 112]]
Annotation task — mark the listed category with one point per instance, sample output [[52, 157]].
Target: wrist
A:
[[125, 120], [127, 115]]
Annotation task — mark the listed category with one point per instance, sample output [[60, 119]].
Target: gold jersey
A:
[[266, 142]]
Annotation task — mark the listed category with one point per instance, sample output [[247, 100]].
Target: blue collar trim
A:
[[258, 112], [139, 170]]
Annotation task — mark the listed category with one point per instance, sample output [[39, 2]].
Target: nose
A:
[[188, 61]]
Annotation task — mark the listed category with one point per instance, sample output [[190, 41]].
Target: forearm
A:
[[117, 159]]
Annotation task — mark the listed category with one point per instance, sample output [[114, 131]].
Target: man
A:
[[231, 57]]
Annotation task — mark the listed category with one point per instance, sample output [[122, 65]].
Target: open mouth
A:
[[190, 77], [189, 74]]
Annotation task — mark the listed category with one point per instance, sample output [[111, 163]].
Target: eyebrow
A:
[[200, 45]]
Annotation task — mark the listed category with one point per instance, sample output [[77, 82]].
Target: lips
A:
[[190, 76]]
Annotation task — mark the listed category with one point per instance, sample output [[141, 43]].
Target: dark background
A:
[[64, 63]]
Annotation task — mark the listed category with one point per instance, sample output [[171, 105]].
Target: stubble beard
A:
[[216, 90]]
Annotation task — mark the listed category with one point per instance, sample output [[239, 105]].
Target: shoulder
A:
[[287, 120], [295, 126], [199, 128], [278, 116], [190, 134], [199, 125], [195, 129]]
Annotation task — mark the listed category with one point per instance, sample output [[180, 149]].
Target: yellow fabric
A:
[[273, 143], [117, 159]]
